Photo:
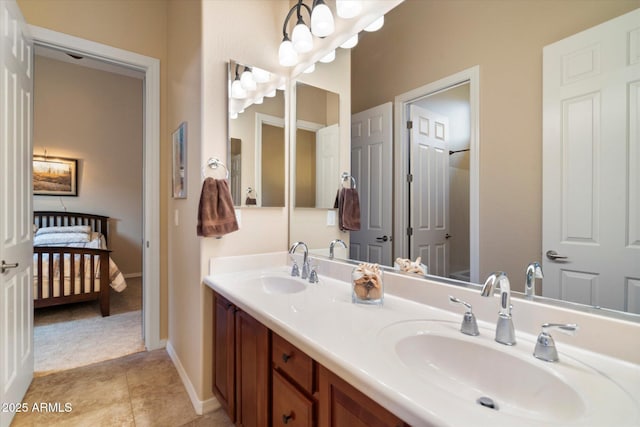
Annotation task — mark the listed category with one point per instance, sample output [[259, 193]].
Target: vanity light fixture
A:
[[310, 69], [352, 42], [301, 35], [348, 9], [260, 75], [322, 23], [329, 57], [259, 100], [237, 91], [375, 25], [247, 81], [270, 94]]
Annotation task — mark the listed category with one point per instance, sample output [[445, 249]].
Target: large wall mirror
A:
[[256, 137], [423, 42]]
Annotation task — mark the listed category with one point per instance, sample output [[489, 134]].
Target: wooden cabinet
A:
[[341, 405], [241, 377], [224, 354], [263, 380]]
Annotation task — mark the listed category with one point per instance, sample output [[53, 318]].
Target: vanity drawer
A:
[[293, 362], [290, 406]]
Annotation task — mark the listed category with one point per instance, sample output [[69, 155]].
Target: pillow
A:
[[60, 239], [64, 229]]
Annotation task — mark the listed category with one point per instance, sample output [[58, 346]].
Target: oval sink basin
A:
[[473, 369], [281, 284]]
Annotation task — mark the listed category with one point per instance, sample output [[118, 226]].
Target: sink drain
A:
[[487, 402]]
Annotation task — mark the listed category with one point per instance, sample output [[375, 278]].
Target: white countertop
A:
[[346, 338]]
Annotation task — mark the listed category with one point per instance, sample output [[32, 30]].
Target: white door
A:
[[591, 173], [371, 160], [327, 165], [429, 190], [16, 240]]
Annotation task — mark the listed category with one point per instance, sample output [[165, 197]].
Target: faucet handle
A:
[[469, 324], [295, 271], [545, 345], [313, 275]]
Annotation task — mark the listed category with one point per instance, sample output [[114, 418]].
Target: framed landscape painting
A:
[[55, 176]]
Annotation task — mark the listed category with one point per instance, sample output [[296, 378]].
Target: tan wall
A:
[[273, 168], [262, 229], [432, 39], [100, 124], [137, 26]]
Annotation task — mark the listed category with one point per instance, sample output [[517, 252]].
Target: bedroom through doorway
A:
[[92, 112]]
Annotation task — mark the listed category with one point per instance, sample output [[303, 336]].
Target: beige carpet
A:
[[76, 335]]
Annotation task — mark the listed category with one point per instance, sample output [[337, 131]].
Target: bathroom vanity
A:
[[291, 352]]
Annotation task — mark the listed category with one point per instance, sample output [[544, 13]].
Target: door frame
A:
[[401, 161], [151, 161]]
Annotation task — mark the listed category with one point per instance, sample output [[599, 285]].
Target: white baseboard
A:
[[200, 406]]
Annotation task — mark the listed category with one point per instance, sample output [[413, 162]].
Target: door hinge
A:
[[409, 177], [409, 231], [409, 124]]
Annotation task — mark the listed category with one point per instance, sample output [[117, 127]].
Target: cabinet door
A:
[[252, 372], [290, 407], [223, 354], [341, 405]]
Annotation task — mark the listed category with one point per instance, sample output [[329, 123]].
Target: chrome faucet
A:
[[305, 258], [333, 244], [505, 333], [534, 271]]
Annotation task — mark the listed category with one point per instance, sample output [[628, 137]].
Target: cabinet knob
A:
[[286, 357], [286, 418]]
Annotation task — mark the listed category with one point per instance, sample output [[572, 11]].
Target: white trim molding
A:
[[200, 406], [151, 186]]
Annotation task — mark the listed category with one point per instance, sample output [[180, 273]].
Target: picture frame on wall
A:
[[55, 176], [179, 144]]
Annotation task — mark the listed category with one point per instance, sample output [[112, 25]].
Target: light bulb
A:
[[260, 75], [301, 38], [375, 25], [322, 24], [310, 69], [237, 91], [247, 81], [348, 8], [329, 57], [350, 43], [287, 55]]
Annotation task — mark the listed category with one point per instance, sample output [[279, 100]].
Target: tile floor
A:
[[142, 389]]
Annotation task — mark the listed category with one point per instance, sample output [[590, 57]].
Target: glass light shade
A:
[[260, 75], [310, 69], [329, 57], [270, 94], [287, 55], [348, 8], [259, 101], [322, 24], [375, 25], [237, 91], [350, 43], [247, 81], [301, 38], [233, 116]]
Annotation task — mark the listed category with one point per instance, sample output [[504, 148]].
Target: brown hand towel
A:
[[349, 209], [216, 215]]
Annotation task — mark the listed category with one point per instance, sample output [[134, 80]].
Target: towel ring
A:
[[345, 176], [214, 163]]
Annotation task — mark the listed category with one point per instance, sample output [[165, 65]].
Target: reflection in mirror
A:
[[257, 137], [317, 147], [392, 64]]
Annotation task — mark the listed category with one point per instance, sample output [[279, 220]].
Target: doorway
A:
[[455, 96], [151, 160]]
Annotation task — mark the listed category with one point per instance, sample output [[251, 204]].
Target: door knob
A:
[[447, 236], [6, 266], [383, 239], [554, 256]]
